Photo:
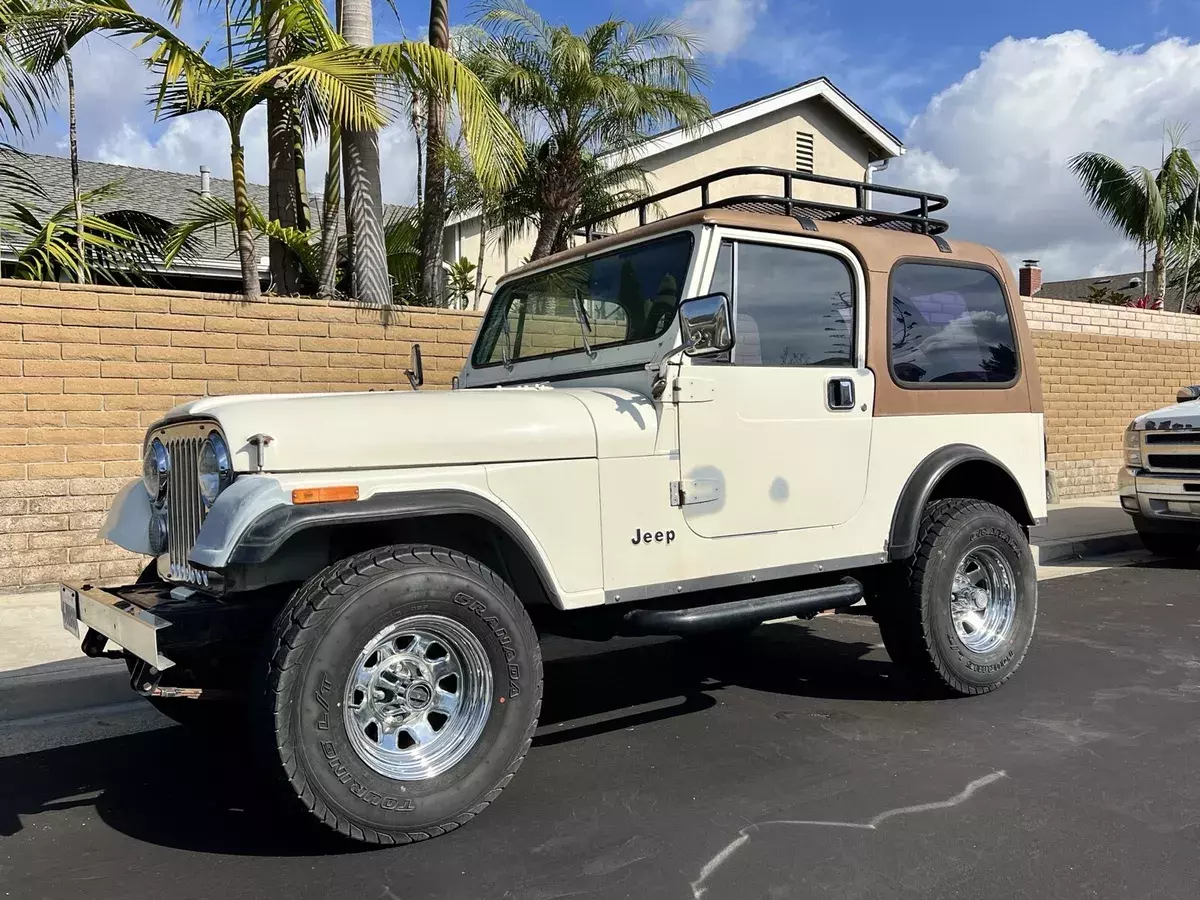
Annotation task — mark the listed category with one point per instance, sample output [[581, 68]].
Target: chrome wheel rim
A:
[[983, 600], [418, 697]]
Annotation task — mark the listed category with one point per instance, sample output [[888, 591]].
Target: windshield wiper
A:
[[585, 326], [506, 348]]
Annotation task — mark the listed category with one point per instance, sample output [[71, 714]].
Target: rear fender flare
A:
[[906, 520]]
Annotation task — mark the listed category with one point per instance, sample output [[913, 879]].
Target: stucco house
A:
[[811, 127]]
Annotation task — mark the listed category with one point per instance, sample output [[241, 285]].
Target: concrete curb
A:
[[60, 687], [1090, 547]]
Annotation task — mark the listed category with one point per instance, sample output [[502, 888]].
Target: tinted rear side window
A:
[[950, 326]]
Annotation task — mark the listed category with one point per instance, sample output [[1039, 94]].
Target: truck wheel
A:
[[403, 690], [962, 610], [1171, 544]]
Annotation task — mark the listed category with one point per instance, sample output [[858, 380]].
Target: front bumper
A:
[[1169, 501], [118, 619]]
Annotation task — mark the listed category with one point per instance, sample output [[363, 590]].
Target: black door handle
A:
[[840, 393]]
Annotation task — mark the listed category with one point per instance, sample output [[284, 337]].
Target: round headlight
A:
[[156, 466], [214, 469]]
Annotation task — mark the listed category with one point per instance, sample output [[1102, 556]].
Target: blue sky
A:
[[990, 103]]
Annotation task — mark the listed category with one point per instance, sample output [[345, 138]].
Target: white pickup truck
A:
[[1159, 482]]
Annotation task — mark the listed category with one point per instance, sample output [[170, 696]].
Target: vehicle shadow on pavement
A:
[[212, 798]]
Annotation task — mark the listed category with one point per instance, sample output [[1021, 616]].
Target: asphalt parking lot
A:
[[794, 763]]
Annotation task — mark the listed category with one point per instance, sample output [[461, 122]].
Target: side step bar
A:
[[741, 613]]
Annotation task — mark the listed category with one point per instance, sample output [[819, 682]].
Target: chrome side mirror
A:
[[706, 325], [1189, 393], [415, 371]]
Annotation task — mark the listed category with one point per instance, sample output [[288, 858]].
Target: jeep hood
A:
[[391, 429], [1181, 415]]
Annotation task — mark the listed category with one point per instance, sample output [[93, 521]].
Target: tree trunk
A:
[[73, 132], [364, 203], [479, 259], [559, 201], [303, 207], [331, 208], [433, 206], [1158, 275], [281, 164], [418, 128], [549, 224], [247, 254]]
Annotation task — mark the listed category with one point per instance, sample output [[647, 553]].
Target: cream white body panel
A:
[[559, 503], [389, 429], [634, 498], [627, 422], [765, 440]]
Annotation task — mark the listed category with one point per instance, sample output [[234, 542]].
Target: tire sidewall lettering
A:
[[335, 766]]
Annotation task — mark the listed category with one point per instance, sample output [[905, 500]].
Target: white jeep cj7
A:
[[763, 407]]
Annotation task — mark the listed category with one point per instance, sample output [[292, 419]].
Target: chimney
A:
[[206, 185], [1030, 278]]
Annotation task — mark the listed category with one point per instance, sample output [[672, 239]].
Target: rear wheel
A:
[[962, 609], [402, 692], [1171, 544]]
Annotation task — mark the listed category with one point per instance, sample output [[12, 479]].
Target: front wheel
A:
[[962, 609], [403, 690], [1170, 544]]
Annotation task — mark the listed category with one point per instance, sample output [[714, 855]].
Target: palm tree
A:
[[433, 199], [1147, 207], [583, 95], [364, 201]]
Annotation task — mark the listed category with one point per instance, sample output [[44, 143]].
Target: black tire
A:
[[319, 637], [914, 610], [1169, 544]]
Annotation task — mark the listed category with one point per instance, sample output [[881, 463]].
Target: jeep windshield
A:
[[623, 297]]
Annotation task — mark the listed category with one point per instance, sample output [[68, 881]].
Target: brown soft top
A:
[[878, 249]]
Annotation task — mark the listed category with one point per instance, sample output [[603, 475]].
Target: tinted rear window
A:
[[950, 326]]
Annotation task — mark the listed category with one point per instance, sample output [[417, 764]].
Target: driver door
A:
[[776, 435]]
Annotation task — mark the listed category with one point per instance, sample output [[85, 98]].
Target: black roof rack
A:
[[917, 220]]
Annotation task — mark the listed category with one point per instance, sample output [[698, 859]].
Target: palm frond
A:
[[1126, 198]]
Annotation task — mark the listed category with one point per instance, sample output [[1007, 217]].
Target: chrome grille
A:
[[1174, 451], [185, 509]]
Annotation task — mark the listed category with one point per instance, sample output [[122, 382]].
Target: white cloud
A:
[[723, 25], [998, 141]]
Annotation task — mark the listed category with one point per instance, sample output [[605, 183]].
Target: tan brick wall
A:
[[1101, 366], [83, 372]]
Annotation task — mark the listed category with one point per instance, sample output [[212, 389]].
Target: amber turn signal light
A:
[[325, 494]]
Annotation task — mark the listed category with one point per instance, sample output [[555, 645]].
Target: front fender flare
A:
[[271, 528]]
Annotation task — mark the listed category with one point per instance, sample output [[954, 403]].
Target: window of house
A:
[[627, 296], [792, 307], [950, 325], [804, 151]]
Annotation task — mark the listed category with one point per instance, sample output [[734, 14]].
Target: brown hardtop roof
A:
[[878, 248]]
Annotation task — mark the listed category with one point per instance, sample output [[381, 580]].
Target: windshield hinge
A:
[[695, 490]]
